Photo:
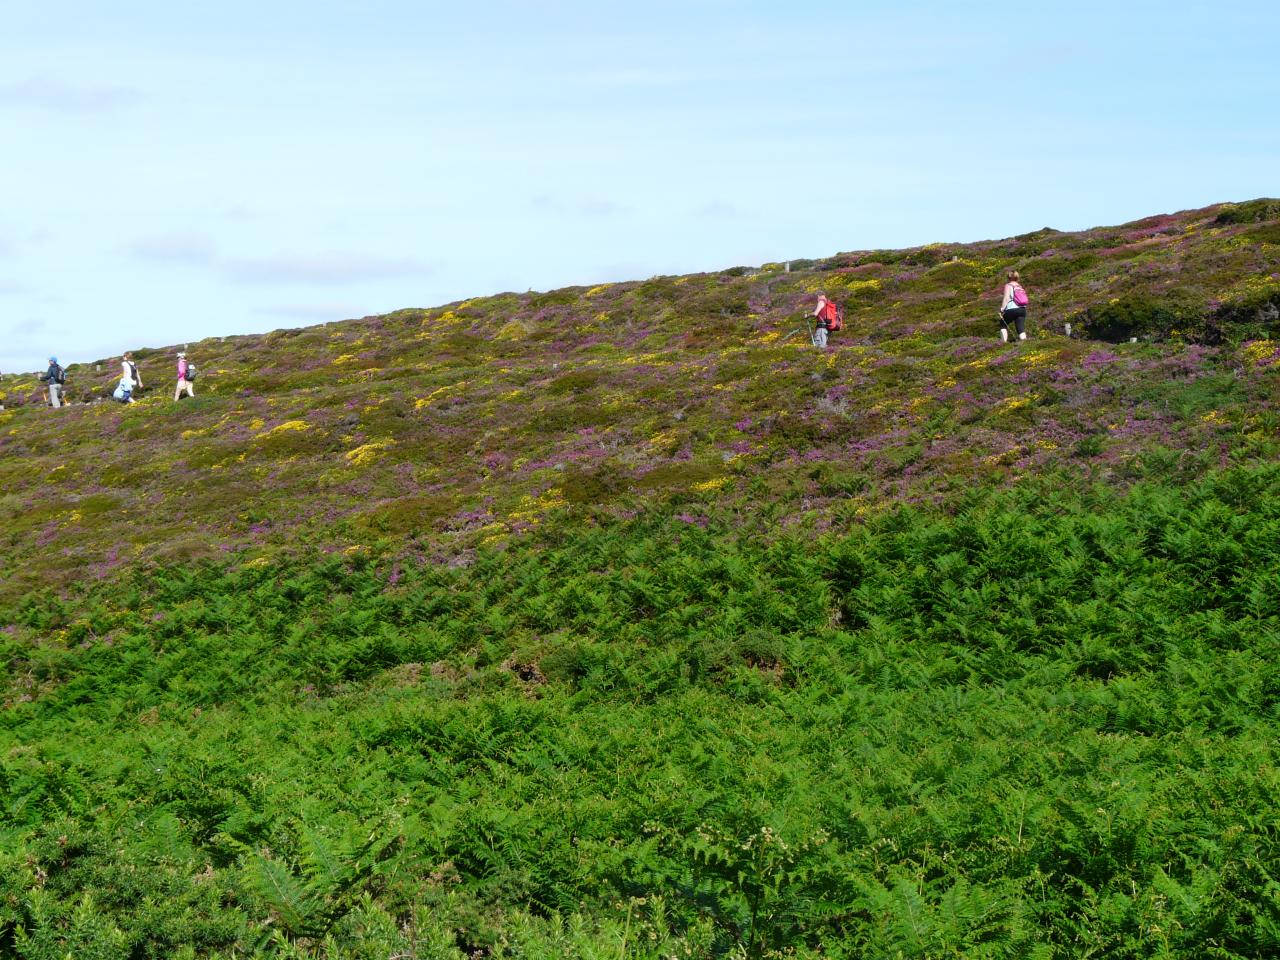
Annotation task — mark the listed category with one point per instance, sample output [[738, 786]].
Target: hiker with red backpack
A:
[[827, 318], [1014, 307]]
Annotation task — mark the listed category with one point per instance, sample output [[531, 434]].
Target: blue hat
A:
[[53, 359]]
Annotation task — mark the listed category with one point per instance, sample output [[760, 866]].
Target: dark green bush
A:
[[1180, 312], [1252, 211], [1256, 315]]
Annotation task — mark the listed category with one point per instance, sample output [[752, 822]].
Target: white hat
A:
[[181, 353]]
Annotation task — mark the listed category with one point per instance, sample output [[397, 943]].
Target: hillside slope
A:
[[465, 425], [620, 622]]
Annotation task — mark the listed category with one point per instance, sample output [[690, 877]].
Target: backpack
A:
[[191, 371], [831, 314], [59, 375], [1020, 296]]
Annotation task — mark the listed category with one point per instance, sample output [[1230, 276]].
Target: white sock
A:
[[1022, 336], [1004, 335]]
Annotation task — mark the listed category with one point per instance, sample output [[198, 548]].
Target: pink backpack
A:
[[1020, 295]]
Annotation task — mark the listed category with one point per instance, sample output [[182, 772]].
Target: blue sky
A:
[[172, 173]]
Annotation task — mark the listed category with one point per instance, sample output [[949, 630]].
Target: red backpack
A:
[[831, 314]]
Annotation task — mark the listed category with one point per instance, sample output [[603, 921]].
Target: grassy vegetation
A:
[[1040, 726], [619, 622]]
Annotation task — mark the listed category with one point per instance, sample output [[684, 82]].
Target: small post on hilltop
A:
[[786, 267], [1068, 326]]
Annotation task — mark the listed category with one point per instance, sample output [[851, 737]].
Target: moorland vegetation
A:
[[619, 622]]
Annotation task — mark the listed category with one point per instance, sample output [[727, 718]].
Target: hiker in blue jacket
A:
[[55, 377]]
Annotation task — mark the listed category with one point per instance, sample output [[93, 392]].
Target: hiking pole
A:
[[807, 328]]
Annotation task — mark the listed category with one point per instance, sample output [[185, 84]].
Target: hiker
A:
[[134, 374], [1013, 307], [55, 377], [826, 318], [186, 373], [128, 380], [124, 388]]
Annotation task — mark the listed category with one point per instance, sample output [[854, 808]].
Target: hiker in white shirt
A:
[[1013, 307], [130, 379]]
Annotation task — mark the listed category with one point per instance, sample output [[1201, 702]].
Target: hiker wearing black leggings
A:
[[1013, 308]]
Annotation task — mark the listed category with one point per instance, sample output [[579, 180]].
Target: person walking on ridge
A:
[[55, 377], [1013, 306], [186, 373], [826, 318]]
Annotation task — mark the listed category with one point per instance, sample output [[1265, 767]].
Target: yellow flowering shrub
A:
[[439, 393], [289, 426], [369, 452], [1260, 350]]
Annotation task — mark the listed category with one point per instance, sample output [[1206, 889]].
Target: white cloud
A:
[[325, 269], [59, 97]]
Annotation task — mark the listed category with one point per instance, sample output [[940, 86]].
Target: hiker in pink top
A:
[[186, 373]]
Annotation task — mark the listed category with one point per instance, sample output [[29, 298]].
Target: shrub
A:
[[1253, 211], [1181, 311], [1255, 315]]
